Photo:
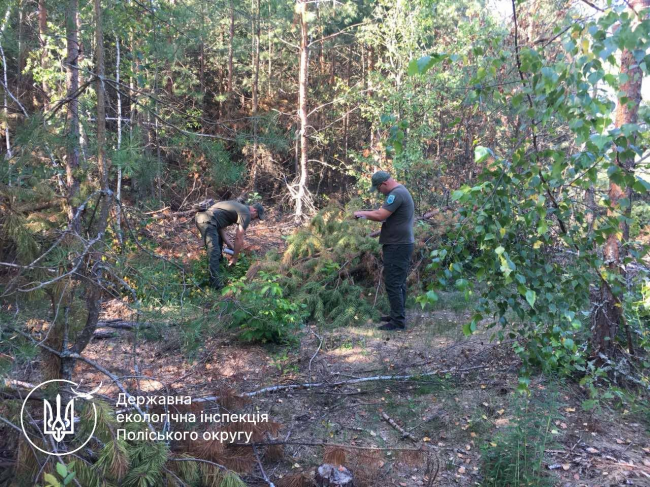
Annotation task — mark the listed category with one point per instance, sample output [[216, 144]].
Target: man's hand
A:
[[375, 215], [231, 260]]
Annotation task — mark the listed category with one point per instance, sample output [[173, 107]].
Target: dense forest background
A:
[[520, 128]]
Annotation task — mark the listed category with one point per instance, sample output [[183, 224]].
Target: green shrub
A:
[[640, 218], [262, 313], [637, 308], [67, 476]]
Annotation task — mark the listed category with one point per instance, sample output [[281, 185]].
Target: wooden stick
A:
[[391, 421], [259, 464], [320, 344], [14, 384]]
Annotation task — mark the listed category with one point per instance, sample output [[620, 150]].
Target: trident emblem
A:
[[58, 426], [59, 419]]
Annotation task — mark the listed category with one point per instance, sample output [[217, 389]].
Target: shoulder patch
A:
[[390, 199]]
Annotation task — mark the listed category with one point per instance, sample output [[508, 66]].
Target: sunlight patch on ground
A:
[[224, 370], [354, 355], [365, 332], [149, 385]]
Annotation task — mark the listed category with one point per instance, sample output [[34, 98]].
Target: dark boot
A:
[[392, 326]]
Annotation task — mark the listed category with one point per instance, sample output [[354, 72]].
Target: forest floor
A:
[[460, 406], [456, 416]]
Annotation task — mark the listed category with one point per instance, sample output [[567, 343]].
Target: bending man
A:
[[397, 215], [212, 224]]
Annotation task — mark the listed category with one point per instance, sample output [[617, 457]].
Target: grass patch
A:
[[433, 385], [515, 455], [453, 301], [634, 405]]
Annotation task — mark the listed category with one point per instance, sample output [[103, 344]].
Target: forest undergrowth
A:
[[461, 416], [520, 128]]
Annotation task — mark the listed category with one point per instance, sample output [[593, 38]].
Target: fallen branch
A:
[[103, 334], [92, 363], [16, 389], [177, 214], [331, 445], [391, 421], [196, 207], [315, 385], [290, 387], [123, 325]]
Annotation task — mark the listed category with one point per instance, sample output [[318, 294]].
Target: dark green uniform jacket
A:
[[210, 221]]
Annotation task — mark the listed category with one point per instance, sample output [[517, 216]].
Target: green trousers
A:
[[397, 260], [212, 241]]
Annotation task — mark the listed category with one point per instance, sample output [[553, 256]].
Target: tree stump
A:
[[333, 476]]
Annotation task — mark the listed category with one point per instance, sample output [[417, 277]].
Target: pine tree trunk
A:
[[202, 64], [133, 109], [22, 48], [152, 118], [256, 76], [102, 161], [270, 50], [321, 44], [346, 118], [231, 40], [8, 154], [140, 113], [302, 109], [42, 34], [83, 138], [609, 316], [118, 189], [93, 292], [72, 85]]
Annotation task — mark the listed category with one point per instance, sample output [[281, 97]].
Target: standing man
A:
[[212, 224], [397, 215]]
